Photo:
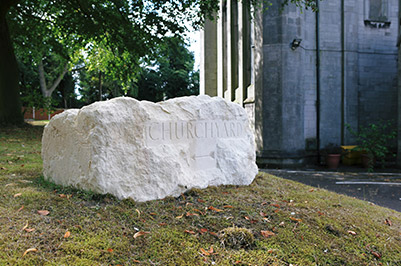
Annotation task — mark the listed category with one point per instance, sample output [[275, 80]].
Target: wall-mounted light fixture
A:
[[295, 43]]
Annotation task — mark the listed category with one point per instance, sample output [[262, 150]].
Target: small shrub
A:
[[373, 140], [236, 238]]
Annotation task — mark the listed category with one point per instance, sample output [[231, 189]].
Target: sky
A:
[[194, 37]]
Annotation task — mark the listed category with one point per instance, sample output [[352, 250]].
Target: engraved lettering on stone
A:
[[150, 131], [197, 135], [204, 135], [169, 131], [179, 130], [189, 130]]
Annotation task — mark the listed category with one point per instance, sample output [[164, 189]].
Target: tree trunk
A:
[[10, 104], [47, 92], [65, 98], [42, 80]]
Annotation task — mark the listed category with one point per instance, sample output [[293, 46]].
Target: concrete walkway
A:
[[383, 189]]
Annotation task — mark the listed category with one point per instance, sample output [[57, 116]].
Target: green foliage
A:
[[65, 26], [31, 95], [307, 4], [92, 35], [65, 95], [97, 86], [170, 74], [119, 33], [167, 74], [374, 140], [38, 35], [110, 64]]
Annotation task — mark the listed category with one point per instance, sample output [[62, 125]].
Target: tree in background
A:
[[31, 91], [65, 96], [56, 30], [43, 48], [171, 74], [106, 75], [168, 73]]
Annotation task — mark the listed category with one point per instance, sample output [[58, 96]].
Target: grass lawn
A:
[[292, 224]]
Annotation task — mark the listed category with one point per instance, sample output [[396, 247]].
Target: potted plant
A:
[[333, 155], [373, 142]]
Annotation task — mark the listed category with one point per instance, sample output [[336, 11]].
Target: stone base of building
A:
[[310, 160], [280, 162], [277, 159]]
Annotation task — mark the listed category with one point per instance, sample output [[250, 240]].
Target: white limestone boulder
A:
[[146, 151]]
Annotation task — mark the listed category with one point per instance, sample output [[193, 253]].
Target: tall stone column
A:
[[221, 50], [399, 111], [255, 91], [232, 49], [399, 90], [244, 63], [208, 64], [240, 90], [227, 92], [283, 97]]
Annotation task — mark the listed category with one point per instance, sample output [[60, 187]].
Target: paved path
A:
[[383, 189]]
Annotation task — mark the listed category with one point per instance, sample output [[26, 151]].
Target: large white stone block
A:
[[145, 151]]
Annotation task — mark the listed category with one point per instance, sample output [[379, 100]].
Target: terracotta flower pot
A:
[[333, 160]]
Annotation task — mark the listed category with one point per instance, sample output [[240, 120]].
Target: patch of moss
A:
[[236, 238]]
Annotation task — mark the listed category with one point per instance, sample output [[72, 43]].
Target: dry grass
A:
[[38, 122], [306, 226]]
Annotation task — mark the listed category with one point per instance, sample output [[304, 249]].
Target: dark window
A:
[[378, 10]]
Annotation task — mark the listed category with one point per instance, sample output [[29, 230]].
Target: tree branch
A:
[[47, 92], [28, 14], [58, 80], [77, 69]]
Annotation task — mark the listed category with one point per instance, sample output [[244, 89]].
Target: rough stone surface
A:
[[146, 151]]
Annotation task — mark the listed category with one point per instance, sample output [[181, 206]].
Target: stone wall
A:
[[377, 50], [399, 91], [39, 113], [283, 96], [357, 74]]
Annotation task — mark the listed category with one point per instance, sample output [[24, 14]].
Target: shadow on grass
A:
[[89, 195]]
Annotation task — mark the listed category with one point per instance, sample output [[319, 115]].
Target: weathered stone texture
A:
[[146, 151]]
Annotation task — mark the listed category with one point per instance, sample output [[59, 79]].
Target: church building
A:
[[303, 76]]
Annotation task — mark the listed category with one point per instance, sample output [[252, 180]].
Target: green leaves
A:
[[170, 74], [107, 37], [373, 139], [112, 39]]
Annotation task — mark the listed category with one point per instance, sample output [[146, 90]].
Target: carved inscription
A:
[[173, 131], [201, 137]]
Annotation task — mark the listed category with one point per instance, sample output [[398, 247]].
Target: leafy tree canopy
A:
[[40, 27], [169, 75]]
